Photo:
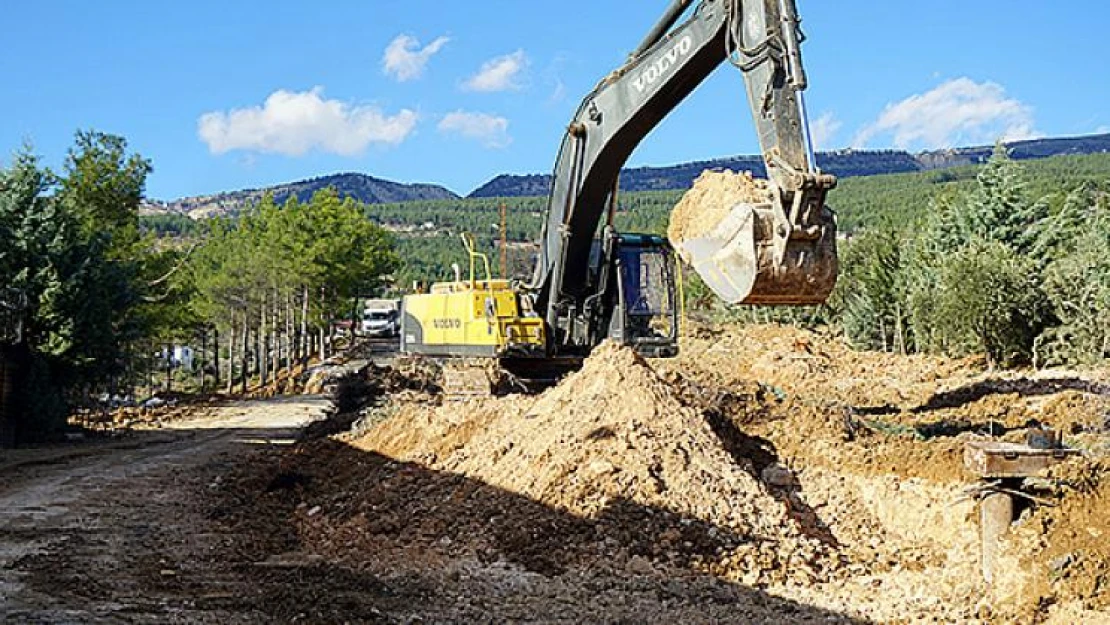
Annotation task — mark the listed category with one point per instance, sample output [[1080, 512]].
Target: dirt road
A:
[[115, 533]]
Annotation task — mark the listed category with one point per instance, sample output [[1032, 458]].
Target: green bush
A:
[[989, 301], [1078, 286]]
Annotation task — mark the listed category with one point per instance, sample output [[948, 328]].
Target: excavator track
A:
[[476, 378], [471, 378]]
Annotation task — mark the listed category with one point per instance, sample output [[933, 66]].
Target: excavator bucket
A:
[[746, 251], [740, 260]]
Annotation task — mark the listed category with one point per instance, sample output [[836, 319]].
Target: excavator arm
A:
[[762, 38]]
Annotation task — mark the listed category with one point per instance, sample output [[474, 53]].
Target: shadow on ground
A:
[[323, 532], [379, 537], [1024, 387], [971, 393]]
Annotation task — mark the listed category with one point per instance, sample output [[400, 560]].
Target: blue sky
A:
[[233, 94]]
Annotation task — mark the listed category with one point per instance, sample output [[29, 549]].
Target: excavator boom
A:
[[780, 251]]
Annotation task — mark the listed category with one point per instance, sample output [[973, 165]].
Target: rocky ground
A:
[[766, 475]]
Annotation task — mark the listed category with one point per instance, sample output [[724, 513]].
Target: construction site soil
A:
[[767, 474]]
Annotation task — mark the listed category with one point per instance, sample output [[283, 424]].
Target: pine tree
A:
[[1077, 283], [999, 208], [990, 302], [974, 279], [872, 291]]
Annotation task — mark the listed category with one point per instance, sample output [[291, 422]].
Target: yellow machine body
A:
[[471, 319]]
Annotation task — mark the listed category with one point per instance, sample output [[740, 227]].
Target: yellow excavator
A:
[[592, 283]]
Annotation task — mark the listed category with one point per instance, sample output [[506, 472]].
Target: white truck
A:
[[381, 318]]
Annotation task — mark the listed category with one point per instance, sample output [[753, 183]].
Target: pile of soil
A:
[[876, 442], [711, 199], [616, 436], [816, 366], [880, 414]]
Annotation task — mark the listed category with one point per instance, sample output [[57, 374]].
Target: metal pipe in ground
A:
[[996, 514]]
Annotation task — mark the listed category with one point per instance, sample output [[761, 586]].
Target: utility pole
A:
[[504, 241]]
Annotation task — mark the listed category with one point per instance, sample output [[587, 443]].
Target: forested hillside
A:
[[427, 230], [843, 163], [358, 187]]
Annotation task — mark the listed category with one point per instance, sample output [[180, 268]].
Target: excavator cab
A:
[[644, 307]]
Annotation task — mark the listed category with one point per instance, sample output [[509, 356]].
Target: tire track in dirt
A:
[[113, 536]]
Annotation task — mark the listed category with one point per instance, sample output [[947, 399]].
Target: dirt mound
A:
[[711, 199], [616, 434], [811, 364], [764, 455], [877, 440]]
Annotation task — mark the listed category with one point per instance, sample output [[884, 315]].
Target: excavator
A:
[[592, 283]]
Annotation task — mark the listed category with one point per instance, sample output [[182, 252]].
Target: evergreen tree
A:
[[1077, 282], [46, 269], [871, 293], [999, 209], [989, 301], [102, 186], [974, 282]]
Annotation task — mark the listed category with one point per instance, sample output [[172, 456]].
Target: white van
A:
[[381, 318]]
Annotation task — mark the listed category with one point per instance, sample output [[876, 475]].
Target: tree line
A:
[[271, 281], [92, 300], [80, 284], [996, 268]]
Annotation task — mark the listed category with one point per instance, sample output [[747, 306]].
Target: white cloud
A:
[[1102, 130], [558, 93], [824, 130], [491, 130], [293, 123], [958, 112], [405, 60], [552, 78], [498, 74]]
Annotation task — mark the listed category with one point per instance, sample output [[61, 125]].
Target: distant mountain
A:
[[844, 163], [357, 186], [1020, 150]]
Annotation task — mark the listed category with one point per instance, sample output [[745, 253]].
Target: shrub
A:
[[989, 300]]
